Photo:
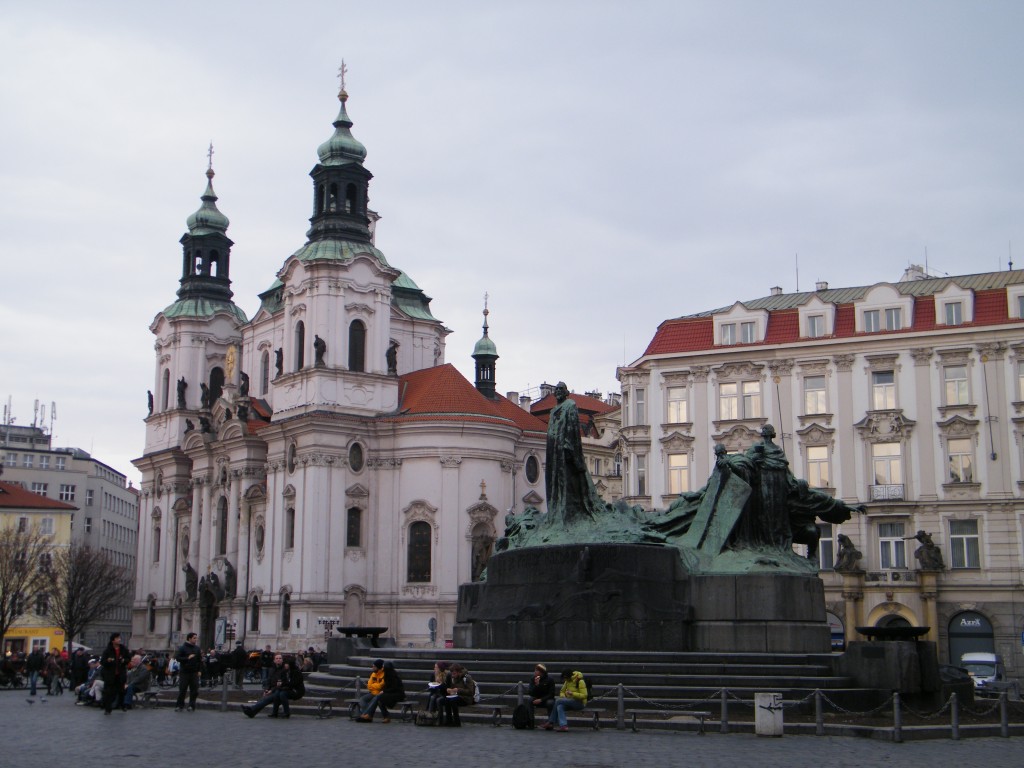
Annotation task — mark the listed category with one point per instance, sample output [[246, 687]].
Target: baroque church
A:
[[320, 464]]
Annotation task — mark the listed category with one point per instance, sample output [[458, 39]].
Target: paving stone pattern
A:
[[52, 732]]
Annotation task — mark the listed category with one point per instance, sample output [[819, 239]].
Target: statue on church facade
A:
[[182, 386], [319, 350], [928, 555]]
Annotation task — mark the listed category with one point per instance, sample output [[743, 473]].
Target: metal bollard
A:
[[635, 730], [724, 716], [620, 712], [954, 713], [597, 720], [224, 693], [819, 715], [1004, 715], [897, 719]]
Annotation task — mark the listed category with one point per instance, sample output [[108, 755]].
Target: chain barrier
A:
[[867, 713], [981, 712], [662, 705], [933, 715], [804, 700], [513, 689]]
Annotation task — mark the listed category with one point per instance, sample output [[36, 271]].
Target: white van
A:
[[984, 668]]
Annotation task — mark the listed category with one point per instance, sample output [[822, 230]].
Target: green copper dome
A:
[[485, 347], [342, 148], [208, 218]]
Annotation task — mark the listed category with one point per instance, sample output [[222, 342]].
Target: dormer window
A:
[[954, 312], [748, 333], [815, 326], [893, 319], [872, 321], [728, 333]]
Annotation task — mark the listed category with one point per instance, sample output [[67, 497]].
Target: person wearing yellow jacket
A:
[[374, 687], [573, 696]]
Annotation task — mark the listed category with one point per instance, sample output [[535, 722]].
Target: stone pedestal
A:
[[635, 597]]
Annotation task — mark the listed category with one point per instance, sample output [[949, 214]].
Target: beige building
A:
[[907, 397]]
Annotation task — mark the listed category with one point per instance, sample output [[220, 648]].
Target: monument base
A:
[[634, 597]]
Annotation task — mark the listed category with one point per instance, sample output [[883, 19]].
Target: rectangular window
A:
[[22, 524], [1020, 307], [961, 460], [872, 322], [814, 395], [886, 462], [676, 405], [1020, 380], [748, 333], [641, 475], [954, 313], [893, 319], [729, 333], [826, 547], [60, 463], [892, 549], [817, 466], [964, 544], [88, 525], [46, 526], [678, 472], [39, 488], [815, 326], [88, 497], [751, 399], [42, 609], [625, 409], [11, 460], [27, 460], [641, 407], [883, 390], [955, 379], [728, 401], [44, 462], [67, 492]]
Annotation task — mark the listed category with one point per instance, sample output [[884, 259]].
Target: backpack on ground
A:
[[522, 718], [298, 689], [476, 692], [426, 718]]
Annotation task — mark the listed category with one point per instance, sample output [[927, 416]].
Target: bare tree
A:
[[23, 555], [85, 585]]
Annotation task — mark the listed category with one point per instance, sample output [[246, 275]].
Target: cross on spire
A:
[[209, 157], [342, 71]]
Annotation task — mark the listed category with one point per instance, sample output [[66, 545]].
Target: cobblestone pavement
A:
[[55, 732]]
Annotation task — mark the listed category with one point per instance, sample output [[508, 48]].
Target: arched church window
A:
[[265, 373], [156, 543], [357, 346], [197, 263], [289, 528], [354, 528], [355, 457], [214, 270], [320, 194], [350, 199], [165, 389], [254, 614], [418, 565], [216, 385], [300, 345], [532, 469], [332, 202], [151, 615], [286, 610]]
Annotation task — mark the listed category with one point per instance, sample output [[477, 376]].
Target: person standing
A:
[[190, 661], [573, 696], [54, 672], [239, 658], [114, 670], [266, 664], [34, 667]]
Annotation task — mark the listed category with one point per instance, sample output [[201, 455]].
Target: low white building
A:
[[907, 397], [319, 464]]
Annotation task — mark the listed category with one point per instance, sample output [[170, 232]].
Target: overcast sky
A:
[[596, 167]]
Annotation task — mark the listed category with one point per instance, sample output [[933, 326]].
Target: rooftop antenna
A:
[[926, 272], [1009, 246], [796, 261]]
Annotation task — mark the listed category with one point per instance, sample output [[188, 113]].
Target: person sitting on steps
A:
[[461, 691], [573, 696], [392, 693], [280, 685], [542, 691], [374, 687], [436, 691]]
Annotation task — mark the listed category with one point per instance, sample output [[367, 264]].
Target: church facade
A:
[[319, 464]]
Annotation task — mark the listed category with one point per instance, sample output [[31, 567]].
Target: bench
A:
[[695, 714], [406, 709]]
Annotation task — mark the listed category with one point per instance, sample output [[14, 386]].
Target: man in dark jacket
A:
[[34, 666], [280, 685], [190, 661], [114, 670]]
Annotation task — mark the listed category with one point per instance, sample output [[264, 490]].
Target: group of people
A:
[[114, 678], [48, 667], [451, 688]]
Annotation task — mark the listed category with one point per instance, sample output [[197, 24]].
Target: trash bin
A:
[[768, 714]]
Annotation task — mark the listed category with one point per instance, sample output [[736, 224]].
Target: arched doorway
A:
[[970, 632]]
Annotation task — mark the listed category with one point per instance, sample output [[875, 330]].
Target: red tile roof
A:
[[14, 496], [695, 333], [442, 393]]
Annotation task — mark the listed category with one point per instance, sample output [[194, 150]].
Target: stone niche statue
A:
[[391, 357], [181, 386], [319, 350], [191, 581], [848, 557], [204, 397], [230, 579], [149, 401], [279, 360], [243, 386], [928, 555]]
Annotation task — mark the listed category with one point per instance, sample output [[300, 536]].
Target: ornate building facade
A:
[[318, 464], [907, 397]]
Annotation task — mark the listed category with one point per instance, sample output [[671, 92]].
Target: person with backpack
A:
[[541, 694], [573, 697]]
